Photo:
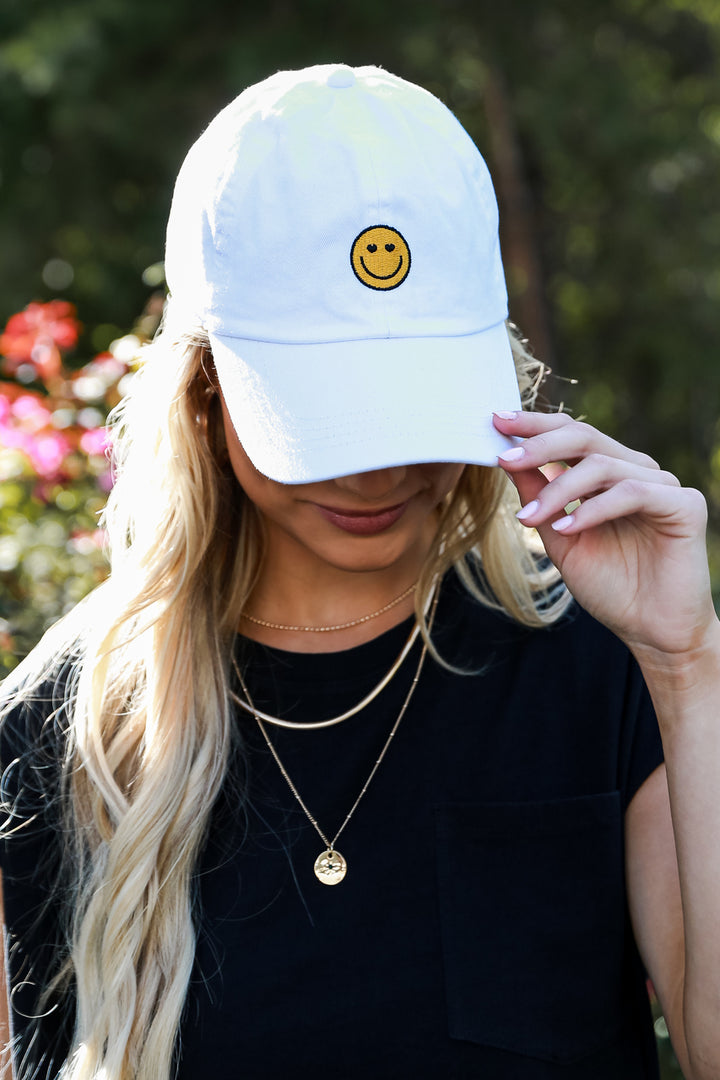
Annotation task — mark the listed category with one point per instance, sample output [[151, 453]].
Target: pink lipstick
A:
[[363, 522]]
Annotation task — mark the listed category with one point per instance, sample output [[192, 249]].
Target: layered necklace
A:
[[340, 626], [330, 866], [331, 721]]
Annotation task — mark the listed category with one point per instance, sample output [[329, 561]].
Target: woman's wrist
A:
[[687, 679]]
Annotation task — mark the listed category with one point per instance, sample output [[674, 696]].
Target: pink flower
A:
[[106, 480], [107, 367], [12, 433], [85, 541], [95, 441], [31, 412], [12, 438], [24, 420], [47, 453]]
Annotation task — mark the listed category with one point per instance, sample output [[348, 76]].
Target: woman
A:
[[329, 655]]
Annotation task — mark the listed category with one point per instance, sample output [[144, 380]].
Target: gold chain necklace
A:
[[330, 866], [340, 626], [317, 724]]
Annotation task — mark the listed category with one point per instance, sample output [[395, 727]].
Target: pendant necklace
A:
[[330, 866]]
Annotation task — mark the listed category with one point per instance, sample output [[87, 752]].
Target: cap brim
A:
[[311, 412]]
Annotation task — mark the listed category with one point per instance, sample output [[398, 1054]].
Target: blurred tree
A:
[[605, 142]]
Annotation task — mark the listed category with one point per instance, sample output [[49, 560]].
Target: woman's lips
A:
[[363, 522]]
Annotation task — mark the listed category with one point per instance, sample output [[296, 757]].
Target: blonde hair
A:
[[149, 742], [499, 562]]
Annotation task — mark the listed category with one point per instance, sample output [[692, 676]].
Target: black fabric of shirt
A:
[[482, 928]]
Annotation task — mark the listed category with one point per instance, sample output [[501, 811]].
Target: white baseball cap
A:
[[334, 230]]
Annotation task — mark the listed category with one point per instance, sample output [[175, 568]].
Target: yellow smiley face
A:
[[380, 257]]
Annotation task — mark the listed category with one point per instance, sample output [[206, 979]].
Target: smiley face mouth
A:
[[381, 277], [377, 246]]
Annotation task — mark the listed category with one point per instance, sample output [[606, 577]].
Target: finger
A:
[[593, 474], [557, 437], [529, 484], [681, 510]]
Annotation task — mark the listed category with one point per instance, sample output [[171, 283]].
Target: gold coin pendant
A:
[[330, 867]]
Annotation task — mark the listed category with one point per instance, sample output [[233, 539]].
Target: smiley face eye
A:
[[380, 257]]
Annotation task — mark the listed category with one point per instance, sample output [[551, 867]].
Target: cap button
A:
[[341, 77]]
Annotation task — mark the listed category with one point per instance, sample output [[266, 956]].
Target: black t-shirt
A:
[[482, 928]]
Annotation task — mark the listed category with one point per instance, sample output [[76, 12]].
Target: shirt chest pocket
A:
[[532, 908]]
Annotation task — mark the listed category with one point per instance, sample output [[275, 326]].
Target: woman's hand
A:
[[633, 551]]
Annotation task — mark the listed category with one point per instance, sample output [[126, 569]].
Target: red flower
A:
[[37, 335]]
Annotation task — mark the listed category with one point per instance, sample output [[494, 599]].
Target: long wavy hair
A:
[[148, 744]]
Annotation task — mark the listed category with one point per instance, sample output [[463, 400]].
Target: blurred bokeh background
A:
[[600, 122]]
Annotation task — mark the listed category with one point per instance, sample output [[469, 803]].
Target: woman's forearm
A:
[[686, 694]]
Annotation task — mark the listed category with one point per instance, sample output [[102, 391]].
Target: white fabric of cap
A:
[[329, 366]]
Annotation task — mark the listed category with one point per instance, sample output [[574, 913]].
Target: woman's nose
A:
[[374, 485]]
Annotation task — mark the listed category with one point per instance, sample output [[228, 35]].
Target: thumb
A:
[[530, 483]]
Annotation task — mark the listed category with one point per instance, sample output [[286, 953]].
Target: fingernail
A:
[[528, 510], [563, 523], [506, 415], [512, 455]]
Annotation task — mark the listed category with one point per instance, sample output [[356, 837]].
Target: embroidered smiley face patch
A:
[[380, 257]]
